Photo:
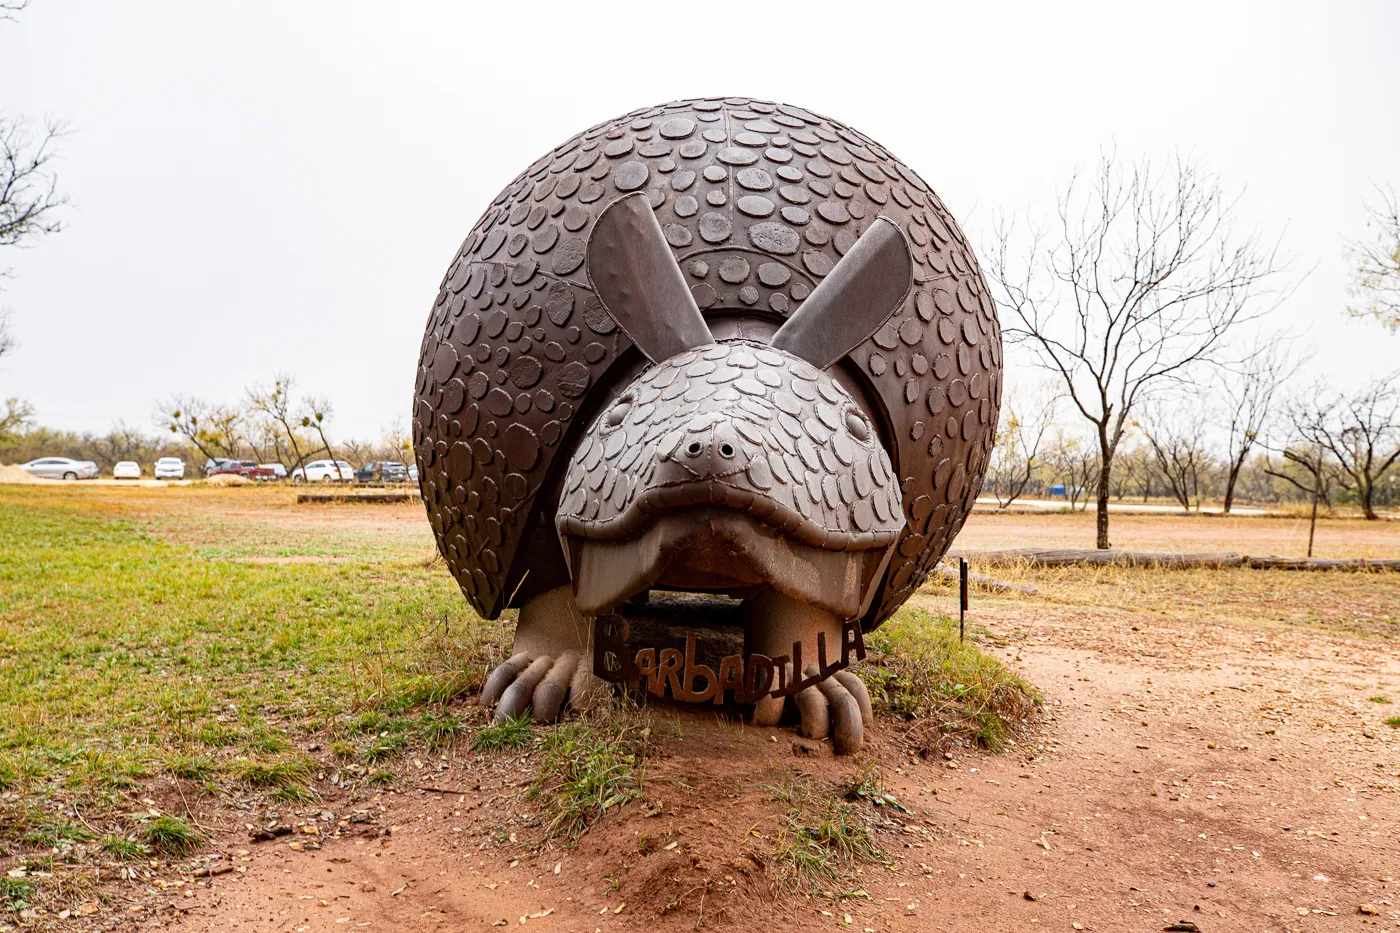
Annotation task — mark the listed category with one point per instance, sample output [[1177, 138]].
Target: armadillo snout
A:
[[707, 448], [739, 425]]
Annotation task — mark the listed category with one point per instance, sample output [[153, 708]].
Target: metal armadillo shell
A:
[[758, 202]]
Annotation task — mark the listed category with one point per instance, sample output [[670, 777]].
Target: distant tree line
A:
[[270, 424], [1236, 438]]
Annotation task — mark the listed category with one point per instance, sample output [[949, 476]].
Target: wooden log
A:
[[1169, 560], [1069, 557], [323, 498], [1261, 562]]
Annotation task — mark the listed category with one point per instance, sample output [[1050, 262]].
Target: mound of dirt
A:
[[229, 479], [13, 474]]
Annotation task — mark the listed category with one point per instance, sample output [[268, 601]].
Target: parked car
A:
[[413, 474], [169, 468], [217, 464], [324, 471], [243, 468], [126, 469], [383, 471], [60, 468], [278, 470]]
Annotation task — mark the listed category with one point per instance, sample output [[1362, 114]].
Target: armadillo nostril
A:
[[693, 449], [726, 450]]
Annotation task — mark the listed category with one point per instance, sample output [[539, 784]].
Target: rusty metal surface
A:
[[758, 202], [631, 268], [854, 301]]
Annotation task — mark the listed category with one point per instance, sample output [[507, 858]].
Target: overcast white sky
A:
[[262, 187]]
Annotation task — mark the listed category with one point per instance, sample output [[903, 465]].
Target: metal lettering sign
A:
[[747, 680]]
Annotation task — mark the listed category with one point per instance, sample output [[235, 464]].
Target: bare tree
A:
[[1074, 464], [214, 430], [7, 335], [15, 418], [295, 429], [1018, 449], [29, 196], [1141, 281], [1376, 263], [280, 422], [1310, 460], [1132, 472], [123, 442], [1360, 432], [1175, 440], [316, 413], [1246, 391], [10, 9]]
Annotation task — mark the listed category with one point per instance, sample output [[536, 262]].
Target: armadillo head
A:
[[734, 465]]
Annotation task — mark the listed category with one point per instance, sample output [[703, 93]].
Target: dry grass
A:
[[1286, 536], [1363, 603], [946, 689]]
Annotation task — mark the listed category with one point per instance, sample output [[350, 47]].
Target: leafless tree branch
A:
[[1141, 281]]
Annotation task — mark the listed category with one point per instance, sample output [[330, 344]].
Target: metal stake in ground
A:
[[962, 596]]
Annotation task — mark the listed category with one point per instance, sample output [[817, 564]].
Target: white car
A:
[[279, 471], [126, 469], [169, 468], [60, 468], [324, 471]]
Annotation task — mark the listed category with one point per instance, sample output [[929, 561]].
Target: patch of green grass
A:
[[1380, 699], [381, 778], [439, 729], [198, 768], [344, 750], [824, 839], [587, 768], [278, 774], [15, 893], [54, 833], [21, 770], [122, 848], [866, 784], [514, 732], [132, 623], [1393, 722], [171, 835], [386, 747], [947, 689]]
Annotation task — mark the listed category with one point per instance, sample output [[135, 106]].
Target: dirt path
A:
[[1235, 777]]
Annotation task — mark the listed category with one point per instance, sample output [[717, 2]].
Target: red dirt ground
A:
[[1233, 776]]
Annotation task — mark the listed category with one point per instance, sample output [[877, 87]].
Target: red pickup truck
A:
[[243, 468]]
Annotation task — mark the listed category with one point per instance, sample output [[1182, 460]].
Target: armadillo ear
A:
[[634, 272], [868, 285]]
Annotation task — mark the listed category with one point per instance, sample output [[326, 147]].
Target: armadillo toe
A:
[[844, 714], [548, 698], [517, 696], [503, 676]]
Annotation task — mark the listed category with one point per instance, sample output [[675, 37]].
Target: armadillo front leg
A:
[[545, 666], [838, 706]]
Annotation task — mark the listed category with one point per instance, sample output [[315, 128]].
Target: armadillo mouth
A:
[[720, 549]]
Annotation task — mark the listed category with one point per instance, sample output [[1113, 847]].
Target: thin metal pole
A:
[[962, 597], [1317, 492]]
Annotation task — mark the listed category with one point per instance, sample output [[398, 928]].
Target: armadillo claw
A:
[[537, 684], [834, 708], [838, 707]]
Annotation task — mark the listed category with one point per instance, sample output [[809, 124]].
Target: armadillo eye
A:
[[619, 412], [857, 426]]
